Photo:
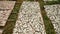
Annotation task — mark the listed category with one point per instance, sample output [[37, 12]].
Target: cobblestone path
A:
[[29, 19]]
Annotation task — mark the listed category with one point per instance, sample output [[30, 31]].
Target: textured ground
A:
[[29, 19], [53, 12], [5, 10]]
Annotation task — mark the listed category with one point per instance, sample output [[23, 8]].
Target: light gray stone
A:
[[53, 12], [29, 19]]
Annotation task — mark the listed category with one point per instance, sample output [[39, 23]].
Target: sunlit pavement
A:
[[29, 19]]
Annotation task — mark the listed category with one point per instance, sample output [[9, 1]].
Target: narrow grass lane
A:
[[51, 2], [8, 29], [47, 22]]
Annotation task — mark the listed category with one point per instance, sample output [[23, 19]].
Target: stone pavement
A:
[[53, 12], [5, 10], [29, 19], [7, 4]]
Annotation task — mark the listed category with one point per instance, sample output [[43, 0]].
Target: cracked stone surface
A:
[[5, 10], [29, 19], [53, 12]]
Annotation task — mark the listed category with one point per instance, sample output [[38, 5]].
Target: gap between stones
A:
[[8, 28], [47, 22]]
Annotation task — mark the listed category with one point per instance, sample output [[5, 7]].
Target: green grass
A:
[[51, 2], [8, 28], [47, 22]]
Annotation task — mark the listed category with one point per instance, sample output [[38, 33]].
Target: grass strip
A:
[[47, 22], [51, 2], [8, 28]]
